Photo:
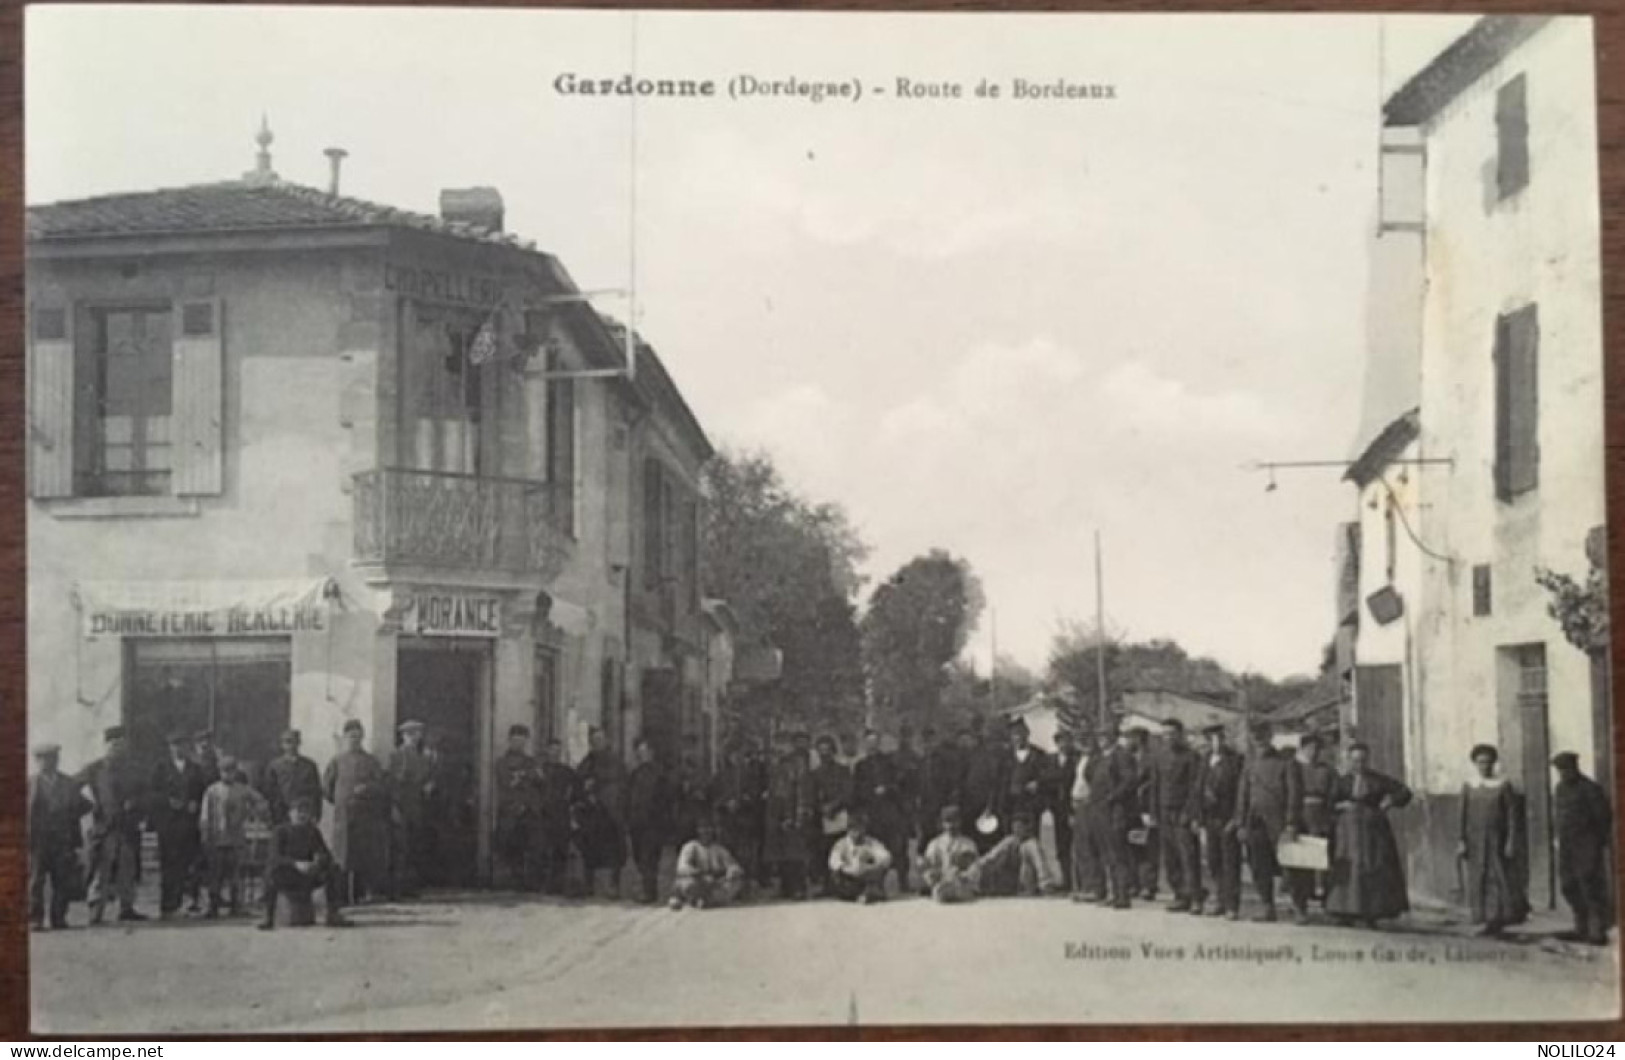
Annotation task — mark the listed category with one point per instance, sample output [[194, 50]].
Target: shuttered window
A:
[[1482, 600], [198, 453], [561, 440], [126, 400], [1512, 137], [50, 401], [654, 533], [1517, 403]]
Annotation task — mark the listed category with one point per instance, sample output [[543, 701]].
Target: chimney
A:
[[335, 159], [473, 206]]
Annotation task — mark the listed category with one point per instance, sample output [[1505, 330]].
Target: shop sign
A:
[[450, 614], [203, 609]]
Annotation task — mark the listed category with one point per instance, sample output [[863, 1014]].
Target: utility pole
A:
[[1100, 635]]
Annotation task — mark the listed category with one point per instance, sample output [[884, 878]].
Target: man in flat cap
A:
[[357, 786], [1121, 782], [1213, 807], [1174, 767], [414, 777], [1585, 831], [1269, 805], [289, 776], [517, 837], [55, 806], [116, 786], [177, 788]]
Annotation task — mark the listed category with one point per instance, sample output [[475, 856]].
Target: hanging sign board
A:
[[202, 609], [452, 614]]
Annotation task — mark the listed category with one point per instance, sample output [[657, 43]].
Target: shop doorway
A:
[[237, 689], [446, 685], [1526, 755]]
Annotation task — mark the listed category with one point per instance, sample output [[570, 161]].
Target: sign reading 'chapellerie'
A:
[[453, 615]]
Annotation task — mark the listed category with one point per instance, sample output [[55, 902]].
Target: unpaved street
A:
[[483, 961]]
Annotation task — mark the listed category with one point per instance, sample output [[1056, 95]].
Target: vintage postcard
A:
[[559, 519]]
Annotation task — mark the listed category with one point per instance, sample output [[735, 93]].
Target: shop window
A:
[[238, 689]]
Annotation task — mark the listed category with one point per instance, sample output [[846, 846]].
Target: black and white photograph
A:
[[562, 519]]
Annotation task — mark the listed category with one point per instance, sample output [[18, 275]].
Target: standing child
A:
[[229, 805]]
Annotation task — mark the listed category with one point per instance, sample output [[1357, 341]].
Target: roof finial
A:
[[262, 173]]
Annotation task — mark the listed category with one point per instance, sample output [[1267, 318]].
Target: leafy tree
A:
[[917, 623], [1580, 608], [967, 693], [789, 569]]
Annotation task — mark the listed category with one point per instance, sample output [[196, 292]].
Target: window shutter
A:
[[1512, 137], [199, 399], [652, 532], [1523, 470], [50, 401]]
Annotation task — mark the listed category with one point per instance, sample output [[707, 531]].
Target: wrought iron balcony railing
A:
[[445, 520]]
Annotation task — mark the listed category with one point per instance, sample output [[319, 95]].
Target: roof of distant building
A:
[[1468, 58], [235, 206], [1193, 712]]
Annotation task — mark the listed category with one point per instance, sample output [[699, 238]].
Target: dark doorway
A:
[[1522, 710], [1379, 698], [238, 689], [662, 712], [445, 686]]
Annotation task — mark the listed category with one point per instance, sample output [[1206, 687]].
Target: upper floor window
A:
[[1511, 137], [1517, 403], [125, 399], [446, 393]]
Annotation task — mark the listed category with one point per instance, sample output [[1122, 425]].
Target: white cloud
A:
[[804, 429], [1142, 399]]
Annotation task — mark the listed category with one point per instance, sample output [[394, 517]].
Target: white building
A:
[[1489, 209]]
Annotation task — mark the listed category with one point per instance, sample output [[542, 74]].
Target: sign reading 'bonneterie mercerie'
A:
[[453, 615], [202, 609]]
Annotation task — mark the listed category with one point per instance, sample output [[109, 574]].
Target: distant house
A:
[[1150, 708]]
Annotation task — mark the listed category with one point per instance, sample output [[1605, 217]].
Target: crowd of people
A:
[[955, 817]]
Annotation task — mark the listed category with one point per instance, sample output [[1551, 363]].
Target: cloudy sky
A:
[[990, 326]]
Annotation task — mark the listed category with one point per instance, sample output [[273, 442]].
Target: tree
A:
[[967, 693], [1580, 608], [789, 569], [917, 623]]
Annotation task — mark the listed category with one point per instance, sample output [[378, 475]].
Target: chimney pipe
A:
[[335, 159]]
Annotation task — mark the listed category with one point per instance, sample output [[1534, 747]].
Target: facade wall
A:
[[1486, 256], [313, 393]]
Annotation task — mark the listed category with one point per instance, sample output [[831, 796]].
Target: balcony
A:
[[442, 521]]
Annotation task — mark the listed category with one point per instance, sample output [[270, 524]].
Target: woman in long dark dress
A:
[[1492, 845], [1367, 877]]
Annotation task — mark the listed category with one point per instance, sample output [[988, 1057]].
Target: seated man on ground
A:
[[301, 864], [858, 863], [1016, 865], [948, 861], [707, 874]]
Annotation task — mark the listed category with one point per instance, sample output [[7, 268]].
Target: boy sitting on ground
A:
[[707, 874], [300, 864], [948, 861], [858, 863], [1016, 865]]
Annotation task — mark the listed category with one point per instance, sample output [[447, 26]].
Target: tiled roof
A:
[[234, 206], [1472, 55]]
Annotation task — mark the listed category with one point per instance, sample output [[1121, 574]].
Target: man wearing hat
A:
[[1585, 832], [1024, 778], [519, 810], [357, 786], [876, 791], [177, 789], [1268, 807], [1173, 770], [1213, 807], [557, 785], [289, 776], [1063, 775], [413, 776], [1120, 786], [115, 853], [55, 806]]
